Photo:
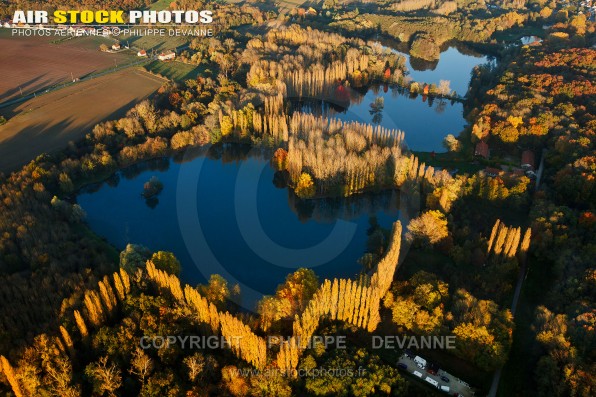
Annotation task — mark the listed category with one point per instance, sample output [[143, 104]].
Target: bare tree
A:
[[142, 365], [195, 364], [106, 378]]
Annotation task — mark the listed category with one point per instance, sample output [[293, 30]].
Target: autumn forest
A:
[[493, 245]]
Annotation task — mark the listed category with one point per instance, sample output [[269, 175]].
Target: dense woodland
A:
[[548, 101], [423, 27], [73, 310]]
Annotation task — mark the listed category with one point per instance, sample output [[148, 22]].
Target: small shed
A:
[[490, 171]]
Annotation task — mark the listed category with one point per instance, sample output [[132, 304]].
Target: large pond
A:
[[225, 211], [221, 212]]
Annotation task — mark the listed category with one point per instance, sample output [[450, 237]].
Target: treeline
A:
[[347, 155], [357, 303], [505, 242], [97, 344], [331, 59], [243, 342]]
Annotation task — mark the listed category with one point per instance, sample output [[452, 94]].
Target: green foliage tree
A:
[[295, 293], [166, 261], [216, 290], [134, 257]]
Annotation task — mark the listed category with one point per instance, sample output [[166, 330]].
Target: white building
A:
[[166, 56]]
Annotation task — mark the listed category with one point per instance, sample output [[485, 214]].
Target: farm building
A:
[[482, 150], [490, 171], [142, 53], [166, 56], [527, 160]]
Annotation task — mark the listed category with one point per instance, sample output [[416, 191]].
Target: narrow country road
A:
[[520, 281]]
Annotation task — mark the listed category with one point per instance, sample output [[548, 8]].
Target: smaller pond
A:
[[424, 120], [455, 64]]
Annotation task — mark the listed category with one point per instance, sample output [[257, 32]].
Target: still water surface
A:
[[225, 210]]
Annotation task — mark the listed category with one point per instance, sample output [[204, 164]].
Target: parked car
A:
[[445, 379], [402, 366]]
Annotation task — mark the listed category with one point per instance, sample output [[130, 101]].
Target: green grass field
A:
[[160, 5], [173, 70], [157, 43], [450, 161]]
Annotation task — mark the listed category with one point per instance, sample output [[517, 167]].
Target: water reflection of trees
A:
[[331, 209], [161, 164], [421, 65], [152, 202], [441, 105], [321, 107], [224, 152]]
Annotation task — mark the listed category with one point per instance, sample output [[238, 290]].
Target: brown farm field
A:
[[48, 122], [34, 63]]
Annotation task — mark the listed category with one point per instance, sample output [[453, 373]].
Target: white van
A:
[[418, 374], [445, 388], [420, 362], [432, 381]]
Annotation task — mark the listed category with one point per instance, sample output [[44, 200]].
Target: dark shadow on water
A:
[[229, 152], [158, 164], [152, 202], [346, 208], [281, 179]]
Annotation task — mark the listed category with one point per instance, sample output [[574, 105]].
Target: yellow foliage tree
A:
[[226, 125], [305, 188]]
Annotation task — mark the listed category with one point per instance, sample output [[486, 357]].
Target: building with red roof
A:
[[527, 160], [482, 150]]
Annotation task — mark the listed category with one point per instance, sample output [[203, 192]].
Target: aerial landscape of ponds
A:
[[223, 212]]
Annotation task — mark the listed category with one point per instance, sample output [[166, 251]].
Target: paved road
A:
[[540, 170], [494, 387], [455, 385]]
